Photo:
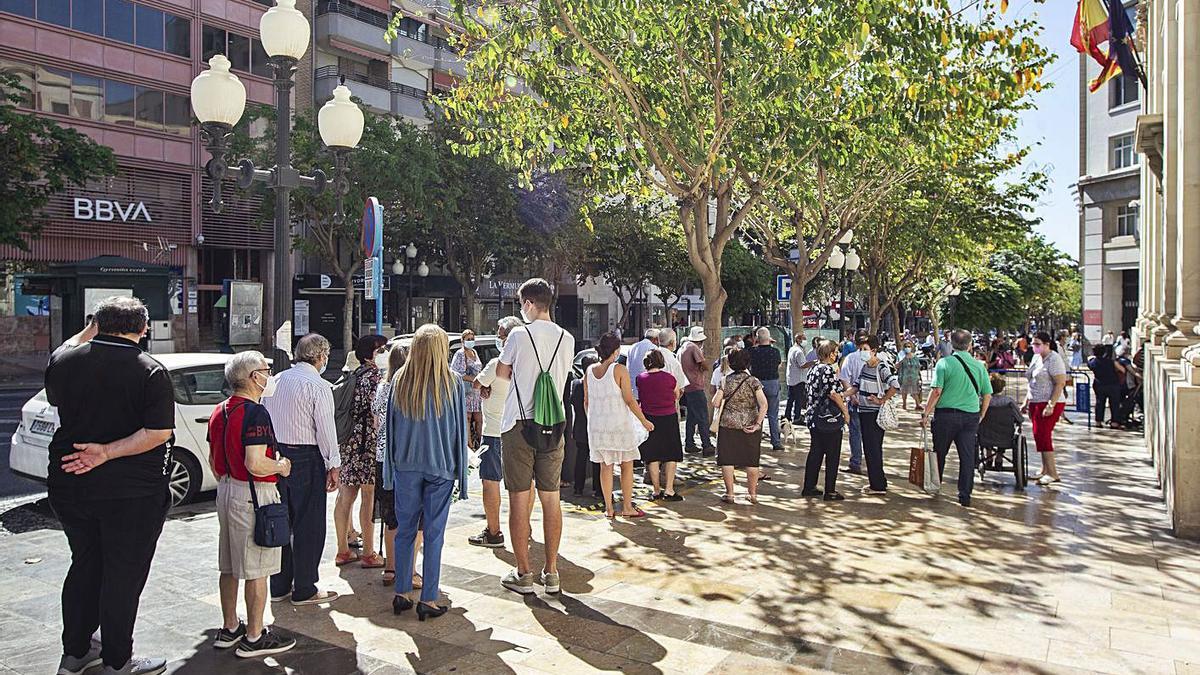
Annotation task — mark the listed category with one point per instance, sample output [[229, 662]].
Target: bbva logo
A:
[[104, 209]]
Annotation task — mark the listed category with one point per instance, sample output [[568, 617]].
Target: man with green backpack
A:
[[536, 359]]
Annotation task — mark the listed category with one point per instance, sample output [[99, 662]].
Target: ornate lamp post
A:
[[846, 262], [219, 99]]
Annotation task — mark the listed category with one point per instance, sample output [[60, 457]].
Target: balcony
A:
[[353, 26], [375, 92], [447, 59], [418, 47], [410, 102]]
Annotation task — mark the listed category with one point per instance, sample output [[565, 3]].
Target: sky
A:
[[1052, 127]]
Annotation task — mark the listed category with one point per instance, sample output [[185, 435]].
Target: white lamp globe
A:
[[340, 120], [423, 270], [852, 260], [397, 267], [837, 259], [411, 251], [284, 30], [217, 94], [847, 238]]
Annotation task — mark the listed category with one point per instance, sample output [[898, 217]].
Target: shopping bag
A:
[[933, 478], [916, 467]]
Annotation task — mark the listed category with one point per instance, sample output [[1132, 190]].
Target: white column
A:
[[1186, 194], [1148, 213], [1169, 230]]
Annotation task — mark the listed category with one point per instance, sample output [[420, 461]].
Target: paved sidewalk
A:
[[1080, 577]]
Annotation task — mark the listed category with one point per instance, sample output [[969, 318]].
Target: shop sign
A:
[[105, 209]]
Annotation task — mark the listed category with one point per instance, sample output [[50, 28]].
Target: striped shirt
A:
[[302, 412]]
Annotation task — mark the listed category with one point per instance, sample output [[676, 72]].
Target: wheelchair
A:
[[1012, 457]]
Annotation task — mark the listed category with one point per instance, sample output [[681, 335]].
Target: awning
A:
[[360, 51]]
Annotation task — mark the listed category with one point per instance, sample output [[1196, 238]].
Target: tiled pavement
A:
[[1081, 577]]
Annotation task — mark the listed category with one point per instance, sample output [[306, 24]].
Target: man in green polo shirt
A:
[[960, 397]]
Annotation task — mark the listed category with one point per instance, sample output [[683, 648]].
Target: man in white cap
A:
[[697, 371]]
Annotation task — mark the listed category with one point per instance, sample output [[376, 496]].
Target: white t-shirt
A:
[[674, 367], [519, 353], [493, 406]]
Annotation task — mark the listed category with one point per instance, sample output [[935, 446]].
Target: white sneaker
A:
[[69, 665], [518, 583], [550, 580]]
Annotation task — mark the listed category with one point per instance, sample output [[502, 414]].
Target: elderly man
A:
[[243, 456], [698, 372], [495, 393], [666, 344], [764, 365], [301, 411], [637, 354], [108, 483], [852, 367], [959, 399]]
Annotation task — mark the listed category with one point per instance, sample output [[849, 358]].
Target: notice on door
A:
[[300, 314]]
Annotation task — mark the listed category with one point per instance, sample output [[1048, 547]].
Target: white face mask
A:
[[270, 385], [469, 344], [321, 370], [381, 361]]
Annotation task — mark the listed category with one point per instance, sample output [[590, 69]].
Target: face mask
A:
[[381, 361], [269, 386], [321, 370], [525, 316], [469, 344]]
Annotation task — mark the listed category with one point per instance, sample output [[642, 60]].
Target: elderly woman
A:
[[358, 456], [467, 365], [875, 386], [742, 406], [242, 454], [827, 416], [426, 456], [1048, 378]]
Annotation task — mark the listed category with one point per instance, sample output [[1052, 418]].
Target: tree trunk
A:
[[796, 304], [469, 305], [874, 311], [897, 329], [348, 313]]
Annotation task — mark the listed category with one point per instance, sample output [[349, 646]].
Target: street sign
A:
[[783, 288], [370, 280]]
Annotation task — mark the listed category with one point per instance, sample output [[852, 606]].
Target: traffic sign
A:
[[783, 288]]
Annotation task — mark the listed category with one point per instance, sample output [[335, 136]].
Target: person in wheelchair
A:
[[998, 429]]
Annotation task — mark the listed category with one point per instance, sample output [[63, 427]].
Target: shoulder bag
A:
[[272, 527], [888, 417]]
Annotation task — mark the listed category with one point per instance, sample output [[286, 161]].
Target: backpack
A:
[[343, 405], [545, 429]]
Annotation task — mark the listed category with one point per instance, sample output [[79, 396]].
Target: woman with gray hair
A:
[[242, 456]]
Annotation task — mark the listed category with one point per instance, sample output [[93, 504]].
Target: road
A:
[[11, 401]]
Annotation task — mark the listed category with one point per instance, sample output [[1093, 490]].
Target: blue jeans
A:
[[856, 448], [304, 493], [696, 404], [771, 389], [420, 494], [490, 463], [961, 428]]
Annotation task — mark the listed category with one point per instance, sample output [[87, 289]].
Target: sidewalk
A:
[[1081, 577]]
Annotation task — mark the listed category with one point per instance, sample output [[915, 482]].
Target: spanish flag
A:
[[1097, 24]]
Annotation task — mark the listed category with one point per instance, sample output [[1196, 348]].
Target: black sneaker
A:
[[672, 498], [267, 644], [708, 452], [487, 539], [691, 451], [833, 497], [230, 638]]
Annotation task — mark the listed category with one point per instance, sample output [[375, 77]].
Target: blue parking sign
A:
[[783, 288]]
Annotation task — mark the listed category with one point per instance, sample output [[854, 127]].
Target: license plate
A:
[[42, 427]]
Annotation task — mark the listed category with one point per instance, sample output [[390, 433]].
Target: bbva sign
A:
[[105, 209]]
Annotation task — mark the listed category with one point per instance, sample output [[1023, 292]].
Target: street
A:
[[11, 400]]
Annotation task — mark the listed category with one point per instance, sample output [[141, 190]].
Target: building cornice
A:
[[1149, 141]]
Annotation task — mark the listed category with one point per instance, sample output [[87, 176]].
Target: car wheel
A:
[[184, 478]]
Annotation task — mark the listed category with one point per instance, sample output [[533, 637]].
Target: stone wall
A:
[[24, 347]]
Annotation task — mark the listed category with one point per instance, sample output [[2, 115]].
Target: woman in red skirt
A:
[[1047, 376]]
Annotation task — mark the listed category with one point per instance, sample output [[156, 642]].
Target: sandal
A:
[[417, 582], [637, 513], [373, 561], [728, 499], [389, 577], [346, 558]]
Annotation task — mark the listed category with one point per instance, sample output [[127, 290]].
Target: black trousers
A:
[[826, 446], [872, 441], [112, 543], [797, 401], [961, 428], [1108, 394], [304, 493], [583, 459]]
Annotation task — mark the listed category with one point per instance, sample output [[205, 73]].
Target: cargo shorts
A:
[[237, 554], [523, 464]]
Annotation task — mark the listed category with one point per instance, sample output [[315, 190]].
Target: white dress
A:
[[614, 432]]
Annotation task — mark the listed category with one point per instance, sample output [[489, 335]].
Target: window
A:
[[238, 51], [149, 28], [24, 75], [118, 20], [53, 90], [411, 28], [212, 41], [87, 97], [88, 16], [1122, 154], [55, 11], [202, 386], [178, 115], [259, 65], [21, 7], [1123, 89], [1127, 221], [118, 103], [149, 108], [179, 36]]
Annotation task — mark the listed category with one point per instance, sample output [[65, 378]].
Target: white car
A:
[[487, 346], [199, 384]]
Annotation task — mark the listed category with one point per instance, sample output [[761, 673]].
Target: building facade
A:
[[1168, 136], [1108, 194]]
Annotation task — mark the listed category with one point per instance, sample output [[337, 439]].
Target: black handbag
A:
[[272, 525]]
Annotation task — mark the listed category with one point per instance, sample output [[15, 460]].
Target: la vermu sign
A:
[[105, 209]]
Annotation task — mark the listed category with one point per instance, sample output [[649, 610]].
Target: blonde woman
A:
[[426, 454], [385, 500]]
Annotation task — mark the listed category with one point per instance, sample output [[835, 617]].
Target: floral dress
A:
[[464, 367], [358, 452], [909, 371]]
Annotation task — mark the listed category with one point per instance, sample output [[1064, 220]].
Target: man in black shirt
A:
[[764, 365], [108, 482]]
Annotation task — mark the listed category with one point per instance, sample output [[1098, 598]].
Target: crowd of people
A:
[[399, 434]]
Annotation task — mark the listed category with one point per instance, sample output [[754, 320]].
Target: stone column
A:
[[1186, 193], [1168, 233], [1148, 213]]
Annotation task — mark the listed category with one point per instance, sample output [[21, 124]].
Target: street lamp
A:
[[846, 262], [219, 99]]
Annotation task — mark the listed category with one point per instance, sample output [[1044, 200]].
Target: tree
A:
[[696, 99], [988, 300], [747, 279], [626, 246], [557, 230], [672, 275], [41, 158]]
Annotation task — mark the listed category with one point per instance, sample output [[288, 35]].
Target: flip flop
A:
[[637, 513], [347, 559]]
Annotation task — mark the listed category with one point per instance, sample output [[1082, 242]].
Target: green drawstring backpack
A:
[[544, 431]]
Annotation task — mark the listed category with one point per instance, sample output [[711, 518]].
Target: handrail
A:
[[354, 11], [379, 82]]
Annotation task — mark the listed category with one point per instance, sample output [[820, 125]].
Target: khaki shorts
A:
[[237, 554], [522, 463]]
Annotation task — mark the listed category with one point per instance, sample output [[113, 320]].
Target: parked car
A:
[[199, 384], [487, 346]]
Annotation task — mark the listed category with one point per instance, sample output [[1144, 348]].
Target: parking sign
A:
[[783, 288]]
